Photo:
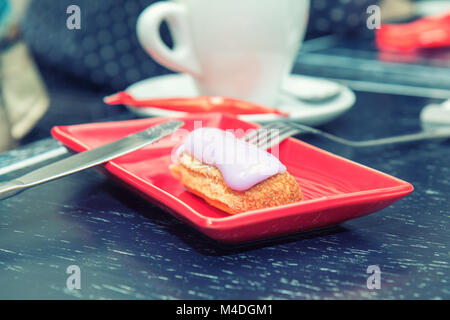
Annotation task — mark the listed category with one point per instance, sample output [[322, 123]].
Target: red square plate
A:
[[335, 189]]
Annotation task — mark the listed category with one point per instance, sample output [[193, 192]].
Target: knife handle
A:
[[11, 188]]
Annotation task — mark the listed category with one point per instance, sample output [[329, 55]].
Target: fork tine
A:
[[256, 133], [277, 137], [271, 134], [264, 134], [267, 133]]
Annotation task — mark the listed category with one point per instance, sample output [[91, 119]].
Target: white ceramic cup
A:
[[236, 48]]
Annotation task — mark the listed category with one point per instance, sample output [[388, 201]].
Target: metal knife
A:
[[88, 159]]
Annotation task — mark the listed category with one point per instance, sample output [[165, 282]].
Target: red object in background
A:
[[193, 105], [429, 32], [334, 189]]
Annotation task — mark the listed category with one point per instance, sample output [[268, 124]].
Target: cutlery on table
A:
[[435, 116], [435, 120], [296, 128], [88, 159]]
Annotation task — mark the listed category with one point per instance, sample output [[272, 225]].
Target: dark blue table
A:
[[128, 249]]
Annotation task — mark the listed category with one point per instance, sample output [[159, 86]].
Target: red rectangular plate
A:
[[335, 189]]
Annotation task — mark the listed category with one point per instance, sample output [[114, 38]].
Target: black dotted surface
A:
[[106, 51]]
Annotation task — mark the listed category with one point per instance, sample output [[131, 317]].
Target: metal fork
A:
[[270, 135], [273, 133]]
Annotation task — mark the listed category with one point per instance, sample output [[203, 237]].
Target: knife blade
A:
[[88, 159]]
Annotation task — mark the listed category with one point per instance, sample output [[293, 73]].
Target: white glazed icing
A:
[[242, 164]]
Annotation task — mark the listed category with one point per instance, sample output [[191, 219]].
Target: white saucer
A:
[[306, 112]]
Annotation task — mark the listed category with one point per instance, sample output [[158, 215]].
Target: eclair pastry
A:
[[232, 175]]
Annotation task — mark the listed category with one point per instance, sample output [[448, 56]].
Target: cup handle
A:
[[181, 58]]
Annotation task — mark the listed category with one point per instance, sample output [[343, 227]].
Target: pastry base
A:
[[207, 182]]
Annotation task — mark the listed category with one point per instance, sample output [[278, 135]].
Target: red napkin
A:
[[429, 32], [193, 105]]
